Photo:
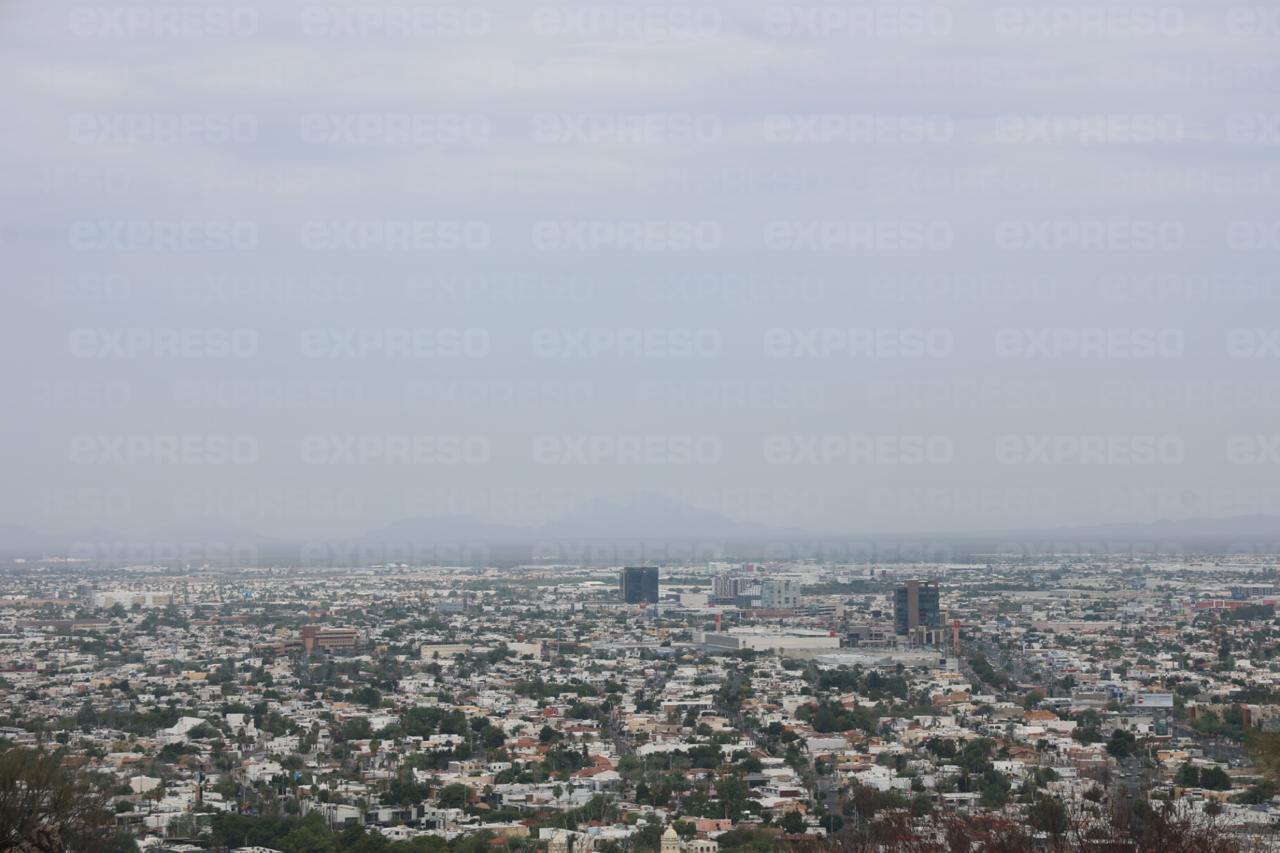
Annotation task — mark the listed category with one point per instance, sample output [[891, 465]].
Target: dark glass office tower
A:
[[640, 584], [916, 605]]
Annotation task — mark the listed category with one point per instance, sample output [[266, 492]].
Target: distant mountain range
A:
[[662, 528]]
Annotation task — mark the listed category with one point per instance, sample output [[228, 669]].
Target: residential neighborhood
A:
[[404, 708]]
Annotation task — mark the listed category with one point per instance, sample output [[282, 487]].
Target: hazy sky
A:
[[310, 268]]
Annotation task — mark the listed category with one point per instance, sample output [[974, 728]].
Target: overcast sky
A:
[[310, 268]]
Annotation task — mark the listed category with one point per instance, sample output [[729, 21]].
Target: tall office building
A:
[[779, 594], [640, 584], [915, 606], [724, 587]]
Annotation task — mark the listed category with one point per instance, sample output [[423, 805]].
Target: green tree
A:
[[1215, 779], [356, 728], [1048, 814], [47, 806], [1121, 744], [454, 796], [793, 823], [310, 835], [1188, 776]]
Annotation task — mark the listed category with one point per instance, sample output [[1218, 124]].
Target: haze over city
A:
[[841, 271], [639, 427]]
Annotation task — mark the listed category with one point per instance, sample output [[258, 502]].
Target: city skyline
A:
[[632, 426]]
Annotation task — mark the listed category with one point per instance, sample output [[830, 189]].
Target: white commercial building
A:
[[132, 598], [738, 639]]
